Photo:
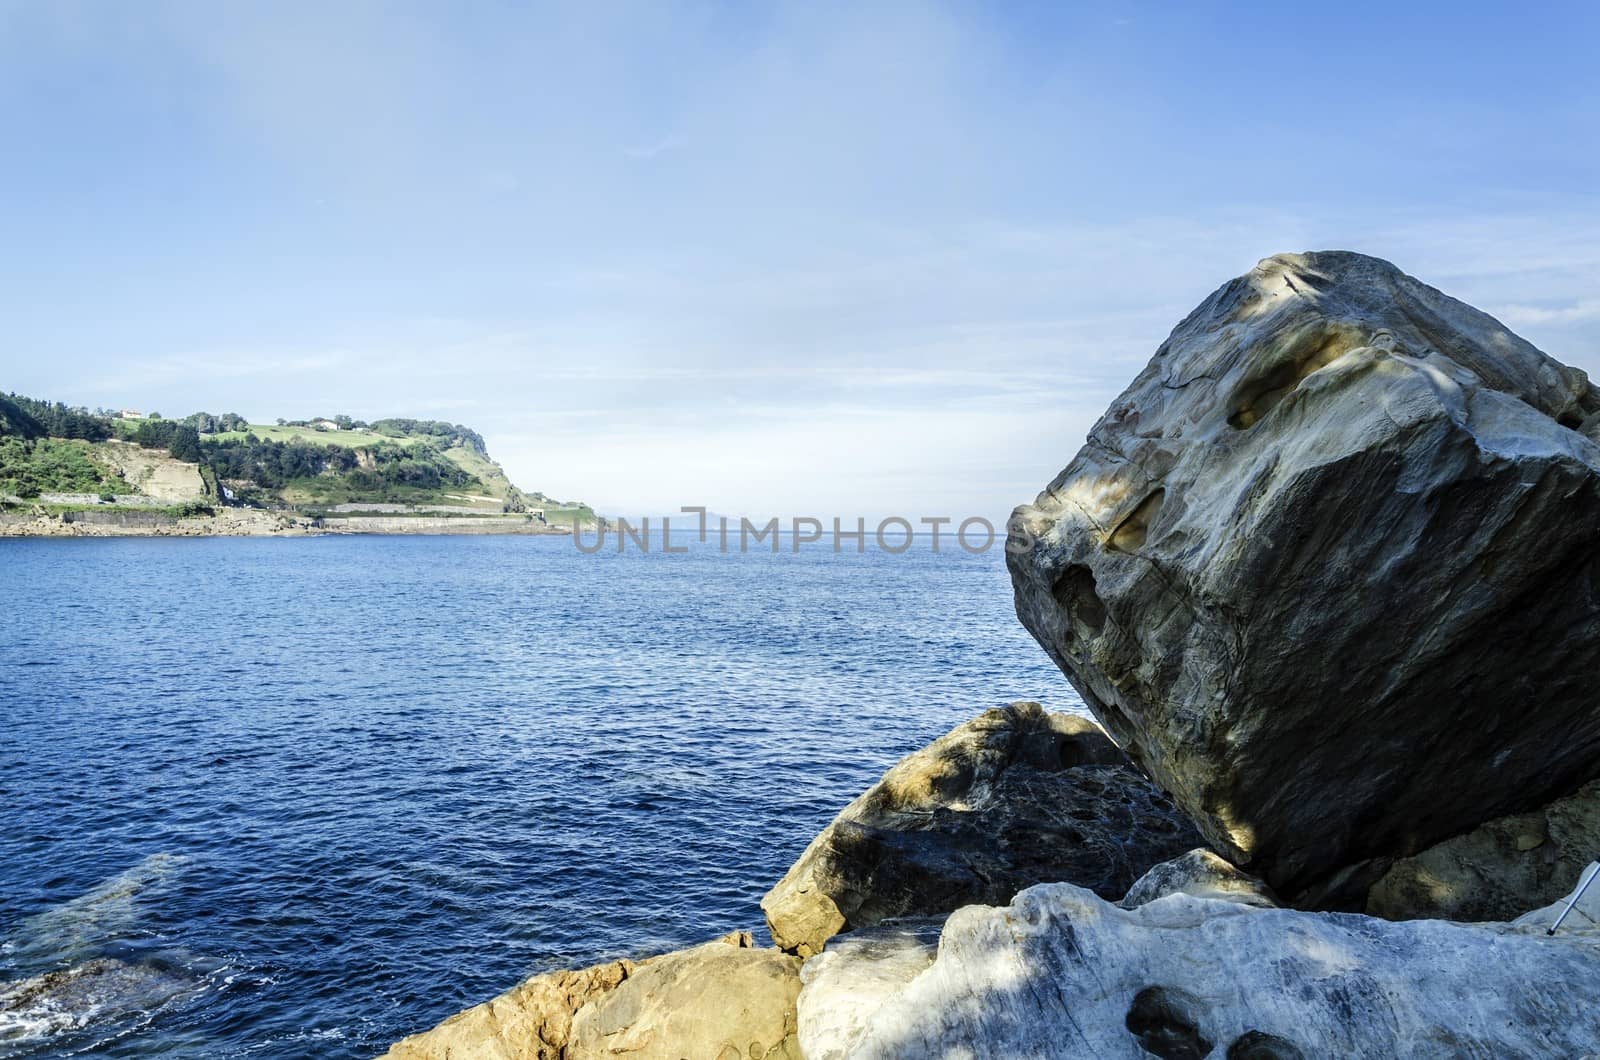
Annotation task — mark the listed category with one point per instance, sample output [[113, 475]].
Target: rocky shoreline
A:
[[1327, 573], [247, 522], [1192, 953]]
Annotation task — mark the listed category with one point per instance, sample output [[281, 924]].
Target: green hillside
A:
[[320, 467]]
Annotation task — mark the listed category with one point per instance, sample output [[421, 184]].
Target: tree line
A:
[[441, 434], [27, 465], [271, 464], [25, 417]]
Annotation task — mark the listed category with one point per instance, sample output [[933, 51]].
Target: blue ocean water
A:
[[290, 798]]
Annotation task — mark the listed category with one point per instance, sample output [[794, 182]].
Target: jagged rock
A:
[[1061, 973], [721, 1000], [1499, 868], [1201, 874], [1329, 569], [1015, 797], [99, 990]]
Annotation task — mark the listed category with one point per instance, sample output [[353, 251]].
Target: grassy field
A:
[[331, 490], [567, 516], [349, 439], [481, 468]]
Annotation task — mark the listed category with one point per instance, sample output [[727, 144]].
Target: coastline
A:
[[248, 522], [1312, 572], [1020, 874]]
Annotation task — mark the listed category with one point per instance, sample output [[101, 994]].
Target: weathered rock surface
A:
[[1015, 797], [532, 1019], [153, 473], [717, 1001], [722, 1000], [1498, 869], [1329, 569], [1061, 973], [839, 1010]]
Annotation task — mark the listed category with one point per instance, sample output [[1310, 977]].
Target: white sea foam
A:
[[95, 991]]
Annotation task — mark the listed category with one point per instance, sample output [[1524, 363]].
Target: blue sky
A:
[[772, 258]]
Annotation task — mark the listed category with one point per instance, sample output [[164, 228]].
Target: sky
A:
[[771, 258]]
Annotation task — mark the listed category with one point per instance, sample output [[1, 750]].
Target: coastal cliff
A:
[[68, 471], [1326, 574]]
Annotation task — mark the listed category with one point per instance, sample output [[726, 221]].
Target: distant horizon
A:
[[793, 257]]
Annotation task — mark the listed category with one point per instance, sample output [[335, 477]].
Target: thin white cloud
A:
[[654, 149], [1571, 313]]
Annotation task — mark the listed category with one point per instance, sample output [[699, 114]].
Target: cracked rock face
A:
[[1329, 569], [1015, 797]]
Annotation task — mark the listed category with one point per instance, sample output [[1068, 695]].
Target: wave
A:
[[100, 991]]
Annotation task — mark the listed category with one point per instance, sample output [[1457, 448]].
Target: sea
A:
[[302, 797]]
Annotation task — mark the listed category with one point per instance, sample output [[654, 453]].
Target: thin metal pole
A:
[[1574, 901]]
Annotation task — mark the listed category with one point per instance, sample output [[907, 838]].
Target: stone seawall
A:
[[123, 520], [90, 500], [488, 524], [414, 509]]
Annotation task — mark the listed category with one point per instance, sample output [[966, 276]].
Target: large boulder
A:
[[1329, 570], [1015, 797], [1499, 868], [1061, 973], [724, 1000]]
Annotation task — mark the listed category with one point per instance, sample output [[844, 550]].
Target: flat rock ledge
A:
[[1060, 972], [724, 1000], [1015, 797]]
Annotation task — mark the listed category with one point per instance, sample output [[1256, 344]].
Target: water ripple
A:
[[288, 798]]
